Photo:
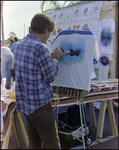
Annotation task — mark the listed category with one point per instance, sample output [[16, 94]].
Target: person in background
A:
[[34, 71], [11, 43], [6, 65], [14, 45], [0, 71], [2, 123]]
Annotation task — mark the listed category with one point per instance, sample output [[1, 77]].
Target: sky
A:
[[17, 16]]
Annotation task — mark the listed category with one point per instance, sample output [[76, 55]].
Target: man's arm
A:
[[49, 66]]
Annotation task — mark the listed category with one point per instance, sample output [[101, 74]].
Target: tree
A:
[[55, 5], [12, 35]]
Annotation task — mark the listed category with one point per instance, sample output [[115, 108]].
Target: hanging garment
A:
[[106, 36], [75, 66], [104, 62]]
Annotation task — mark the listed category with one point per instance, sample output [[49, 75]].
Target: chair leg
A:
[[92, 113], [112, 118], [101, 121], [6, 139], [15, 133], [23, 130]]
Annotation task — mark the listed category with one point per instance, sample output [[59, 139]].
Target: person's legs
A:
[[45, 124], [34, 139], [4, 68], [2, 124], [48, 128], [9, 66]]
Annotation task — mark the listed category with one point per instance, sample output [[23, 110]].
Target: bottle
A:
[[13, 95]]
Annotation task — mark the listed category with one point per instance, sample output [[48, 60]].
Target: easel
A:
[[83, 93]]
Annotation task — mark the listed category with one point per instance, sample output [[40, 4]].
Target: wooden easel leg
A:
[[101, 121], [23, 130], [112, 117], [92, 113], [15, 133], [6, 139]]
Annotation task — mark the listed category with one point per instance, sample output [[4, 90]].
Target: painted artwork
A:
[[76, 27], [59, 30], [68, 15], [73, 52], [106, 37], [104, 60], [85, 27], [49, 43]]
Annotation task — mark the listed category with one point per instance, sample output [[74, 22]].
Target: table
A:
[[103, 94], [8, 110]]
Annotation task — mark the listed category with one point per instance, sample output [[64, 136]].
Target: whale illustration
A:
[[72, 52]]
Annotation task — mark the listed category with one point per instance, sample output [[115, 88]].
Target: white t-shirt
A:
[[75, 66], [6, 52], [104, 65], [106, 36]]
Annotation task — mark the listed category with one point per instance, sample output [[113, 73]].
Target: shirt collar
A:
[[31, 36]]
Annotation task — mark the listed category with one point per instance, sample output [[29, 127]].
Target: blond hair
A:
[[40, 22]]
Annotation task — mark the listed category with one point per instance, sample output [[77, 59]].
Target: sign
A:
[[70, 92]]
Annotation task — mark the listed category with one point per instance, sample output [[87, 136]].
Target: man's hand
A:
[[57, 53]]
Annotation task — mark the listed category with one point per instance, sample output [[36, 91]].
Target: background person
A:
[[14, 45], [34, 71], [11, 43], [6, 65]]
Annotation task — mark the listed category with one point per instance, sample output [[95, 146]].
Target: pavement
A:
[[108, 140]]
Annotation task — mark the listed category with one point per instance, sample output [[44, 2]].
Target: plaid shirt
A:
[[34, 71]]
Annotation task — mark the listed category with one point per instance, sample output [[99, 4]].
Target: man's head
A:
[[11, 42], [40, 22], [15, 39]]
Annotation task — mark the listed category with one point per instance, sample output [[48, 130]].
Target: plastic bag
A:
[[3, 89], [13, 90]]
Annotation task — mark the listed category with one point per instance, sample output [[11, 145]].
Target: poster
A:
[[61, 16], [96, 9], [68, 15], [85, 12], [76, 13], [54, 16]]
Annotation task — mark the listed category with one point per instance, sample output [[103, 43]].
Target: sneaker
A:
[[96, 108]]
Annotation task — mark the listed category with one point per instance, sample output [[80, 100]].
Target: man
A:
[[14, 44], [34, 71]]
